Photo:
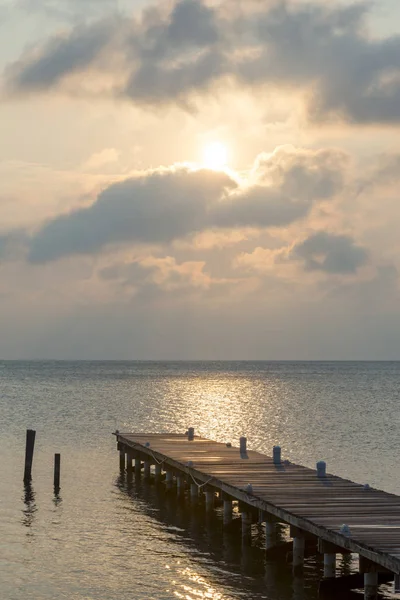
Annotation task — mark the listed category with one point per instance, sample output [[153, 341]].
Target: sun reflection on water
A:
[[201, 589]]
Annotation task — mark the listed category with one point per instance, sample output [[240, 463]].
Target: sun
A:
[[215, 156]]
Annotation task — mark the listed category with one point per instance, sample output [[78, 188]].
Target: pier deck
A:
[[293, 494]]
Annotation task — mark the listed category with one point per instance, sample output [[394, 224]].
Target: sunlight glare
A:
[[215, 156]]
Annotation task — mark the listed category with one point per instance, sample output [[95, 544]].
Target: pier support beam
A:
[[147, 467], [194, 492], [247, 519], [270, 534], [169, 479], [138, 466], [122, 459], [129, 468], [370, 586], [227, 511], [209, 500], [329, 565], [157, 472], [298, 555]]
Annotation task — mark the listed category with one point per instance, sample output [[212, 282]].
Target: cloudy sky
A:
[[199, 179]]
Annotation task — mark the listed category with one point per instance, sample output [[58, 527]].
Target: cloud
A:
[[323, 52], [163, 205], [331, 253]]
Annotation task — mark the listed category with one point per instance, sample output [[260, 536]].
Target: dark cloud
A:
[[167, 56], [334, 254], [167, 204]]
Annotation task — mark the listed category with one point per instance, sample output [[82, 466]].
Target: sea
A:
[[103, 538]]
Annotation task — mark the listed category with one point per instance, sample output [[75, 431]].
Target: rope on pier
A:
[[200, 485]]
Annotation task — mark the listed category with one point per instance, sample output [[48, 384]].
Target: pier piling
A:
[[57, 470], [29, 449]]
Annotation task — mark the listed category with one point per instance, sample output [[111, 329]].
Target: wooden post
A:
[[370, 586], [129, 468], [138, 466], [191, 434], [157, 472], [179, 484], [329, 565], [321, 468], [57, 468], [194, 492], [209, 500], [146, 470], [396, 588], [122, 459], [246, 527], [227, 511], [29, 448], [298, 555], [270, 534], [243, 445], [169, 479]]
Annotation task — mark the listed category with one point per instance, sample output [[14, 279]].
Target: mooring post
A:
[[138, 465], [276, 454], [298, 555], [57, 469], [227, 511], [243, 445], [209, 500], [247, 520], [370, 586], [191, 434], [147, 469], [321, 468], [29, 448], [329, 565], [122, 459], [157, 472]]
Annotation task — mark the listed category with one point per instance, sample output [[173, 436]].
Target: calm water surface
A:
[[101, 539]]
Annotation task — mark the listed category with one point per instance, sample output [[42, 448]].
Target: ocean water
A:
[[102, 539]]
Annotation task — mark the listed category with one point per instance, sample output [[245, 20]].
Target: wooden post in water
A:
[[227, 511], [138, 465], [209, 500], [270, 533], [329, 565], [370, 586], [57, 470], [157, 472], [29, 448], [298, 555], [247, 520], [169, 479], [179, 484], [146, 470], [129, 468], [122, 459], [194, 492]]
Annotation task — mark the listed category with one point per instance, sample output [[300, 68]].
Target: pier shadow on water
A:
[[239, 568]]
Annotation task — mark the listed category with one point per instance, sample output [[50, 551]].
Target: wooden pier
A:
[[340, 516]]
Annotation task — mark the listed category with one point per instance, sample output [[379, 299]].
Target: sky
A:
[[199, 179]]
